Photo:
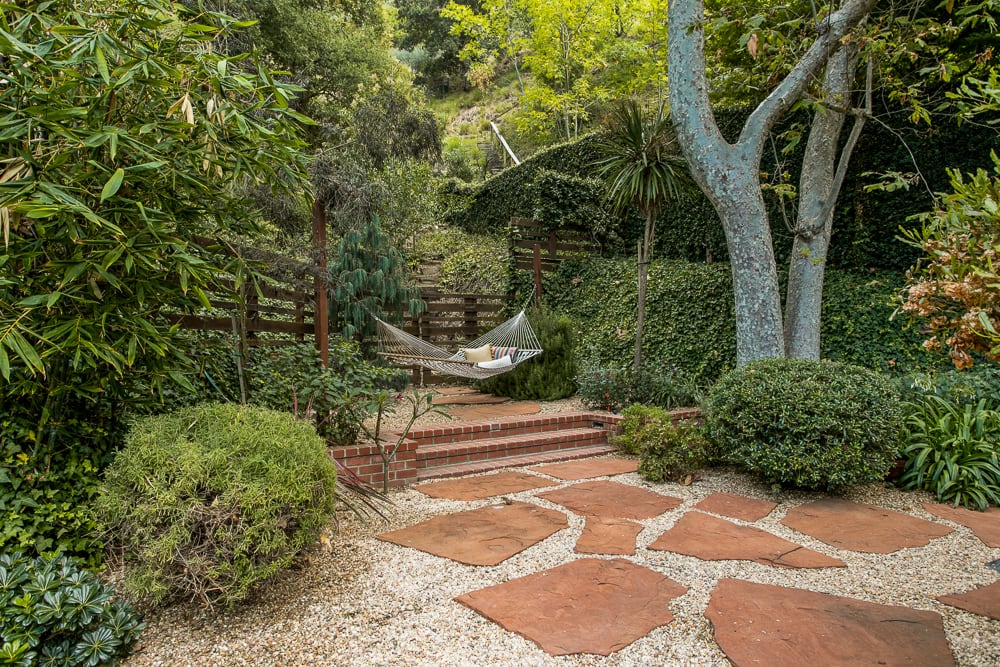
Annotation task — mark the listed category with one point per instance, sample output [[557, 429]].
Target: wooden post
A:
[[538, 276], [471, 322], [321, 316]]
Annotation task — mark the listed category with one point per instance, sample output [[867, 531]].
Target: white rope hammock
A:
[[515, 334]]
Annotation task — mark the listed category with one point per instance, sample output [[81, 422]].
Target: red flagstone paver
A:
[[587, 606], [846, 525], [480, 412], [486, 486], [984, 601], [608, 536], [711, 538], [451, 391], [468, 398], [736, 506], [984, 525], [485, 536], [760, 624], [611, 499], [587, 468]]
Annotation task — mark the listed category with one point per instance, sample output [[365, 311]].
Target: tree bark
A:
[[729, 173], [818, 189]]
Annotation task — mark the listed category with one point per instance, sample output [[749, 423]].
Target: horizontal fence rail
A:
[[530, 242]]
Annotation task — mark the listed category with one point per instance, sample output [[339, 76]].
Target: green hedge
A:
[[690, 322], [866, 224]]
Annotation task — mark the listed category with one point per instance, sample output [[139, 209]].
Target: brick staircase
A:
[[455, 449]]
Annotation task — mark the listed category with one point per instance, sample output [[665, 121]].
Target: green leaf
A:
[[102, 64], [113, 184]]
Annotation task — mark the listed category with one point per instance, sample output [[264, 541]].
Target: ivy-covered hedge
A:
[[866, 224], [488, 208], [690, 322]]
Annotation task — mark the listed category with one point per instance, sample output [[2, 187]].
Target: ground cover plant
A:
[[804, 423], [54, 612], [205, 502]]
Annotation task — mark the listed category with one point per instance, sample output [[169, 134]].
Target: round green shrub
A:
[[205, 502], [53, 612], [667, 450], [809, 424]]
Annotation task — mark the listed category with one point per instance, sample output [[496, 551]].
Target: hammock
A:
[[515, 334]]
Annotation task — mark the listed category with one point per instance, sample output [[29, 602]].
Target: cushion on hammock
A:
[[502, 362], [500, 352], [484, 353]]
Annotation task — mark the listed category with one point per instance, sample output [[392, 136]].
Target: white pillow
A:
[[484, 353], [502, 362]]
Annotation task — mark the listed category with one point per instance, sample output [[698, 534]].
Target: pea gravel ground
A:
[[356, 601]]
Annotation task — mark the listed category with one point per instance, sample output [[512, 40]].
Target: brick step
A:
[[509, 426], [487, 465], [509, 445]]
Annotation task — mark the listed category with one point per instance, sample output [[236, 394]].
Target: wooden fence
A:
[[450, 321], [535, 248], [280, 311]]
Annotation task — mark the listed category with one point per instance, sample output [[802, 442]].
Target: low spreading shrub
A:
[[207, 501], [810, 424], [291, 378], [667, 450], [607, 388], [952, 449], [979, 383], [548, 376], [53, 612]]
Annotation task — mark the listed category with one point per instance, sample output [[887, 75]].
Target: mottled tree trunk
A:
[[729, 173], [819, 187]]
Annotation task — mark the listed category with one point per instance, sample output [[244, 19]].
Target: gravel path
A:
[[365, 602]]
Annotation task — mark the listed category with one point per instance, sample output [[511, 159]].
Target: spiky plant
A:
[[642, 167]]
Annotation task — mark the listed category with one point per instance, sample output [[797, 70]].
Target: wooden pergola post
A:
[[321, 316]]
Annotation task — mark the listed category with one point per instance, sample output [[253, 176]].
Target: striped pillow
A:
[[500, 352]]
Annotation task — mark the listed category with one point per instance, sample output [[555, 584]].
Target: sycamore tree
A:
[[125, 136], [828, 55]]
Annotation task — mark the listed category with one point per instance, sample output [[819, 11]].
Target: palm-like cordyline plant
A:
[[642, 168]]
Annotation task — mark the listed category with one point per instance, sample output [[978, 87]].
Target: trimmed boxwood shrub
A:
[[53, 612], [809, 424], [207, 501]]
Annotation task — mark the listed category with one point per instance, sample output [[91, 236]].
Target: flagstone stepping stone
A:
[[711, 538], [586, 468], [485, 536], [984, 525], [590, 605], [736, 506], [760, 624], [487, 486], [468, 398], [481, 412], [846, 525], [608, 536], [984, 601], [611, 499]]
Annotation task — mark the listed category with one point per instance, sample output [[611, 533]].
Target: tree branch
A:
[[791, 87]]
